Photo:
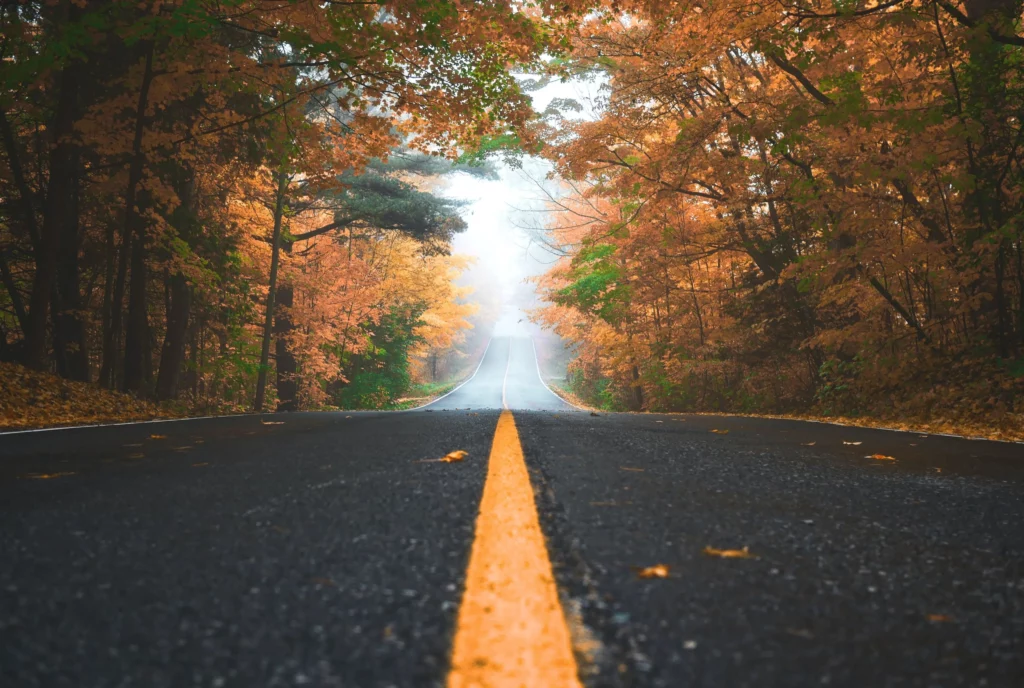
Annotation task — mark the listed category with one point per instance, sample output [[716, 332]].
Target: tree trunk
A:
[[137, 369], [172, 354], [287, 365], [70, 345], [59, 212], [268, 323]]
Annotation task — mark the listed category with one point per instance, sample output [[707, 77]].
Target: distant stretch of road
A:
[[564, 548], [508, 377]]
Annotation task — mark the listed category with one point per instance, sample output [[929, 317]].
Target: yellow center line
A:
[[511, 630]]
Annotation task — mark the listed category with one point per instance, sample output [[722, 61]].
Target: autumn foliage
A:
[[223, 203], [798, 205]]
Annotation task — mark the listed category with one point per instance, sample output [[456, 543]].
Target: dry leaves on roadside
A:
[[880, 457], [729, 553], [656, 571], [47, 476], [719, 432], [809, 444], [158, 437], [854, 444]]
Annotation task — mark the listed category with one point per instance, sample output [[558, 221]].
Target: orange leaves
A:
[[729, 553], [656, 571], [47, 476], [719, 432], [880, 457], [454, 457]]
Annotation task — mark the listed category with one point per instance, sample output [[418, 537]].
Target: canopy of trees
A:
[[811, 203], [196, 193]]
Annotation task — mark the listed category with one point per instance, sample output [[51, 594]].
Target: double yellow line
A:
[[512, 631]]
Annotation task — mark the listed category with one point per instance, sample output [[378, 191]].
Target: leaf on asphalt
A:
[[183, 448], [852, 443], [880, 457], [271, 422], [158, 437], [720, 432], [137, 444], [809, 444], [47, 476], [452, 457], [627, 468], [729, 553], [656, 571], [939, 618], [136, 456]]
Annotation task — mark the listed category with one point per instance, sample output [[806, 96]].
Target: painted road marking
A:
[[512, 631]]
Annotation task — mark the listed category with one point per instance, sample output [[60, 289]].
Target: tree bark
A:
[[59, 211], [268, 323], [137, 369], [172, 353]]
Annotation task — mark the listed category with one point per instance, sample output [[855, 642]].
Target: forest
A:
[[795, 207], [799, 206], [230, 205]]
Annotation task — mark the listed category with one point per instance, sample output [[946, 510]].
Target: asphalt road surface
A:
[[334, 549]]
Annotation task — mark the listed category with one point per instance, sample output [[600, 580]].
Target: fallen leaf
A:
[[659, 421], [937, 470], [137, 444], [158, 437], [47, 476], [656, 571], [720, 432], [183, 448], [939, 618], [853, 443], [136, 456], [271, 422], [627, 468], [594, 414], [809, 444], [800, 633], [452, 457], [880, 457], [729, 553]]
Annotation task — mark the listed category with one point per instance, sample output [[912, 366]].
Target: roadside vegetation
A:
[[811, 208]]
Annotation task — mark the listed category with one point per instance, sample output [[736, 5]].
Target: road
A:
[[334, 549]]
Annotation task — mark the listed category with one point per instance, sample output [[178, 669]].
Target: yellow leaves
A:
[[656, 571], [628, 468], [452, 457], [880, 457], [158, 437], [729, 553], [271, 422], [47, 476], [719, 432]]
